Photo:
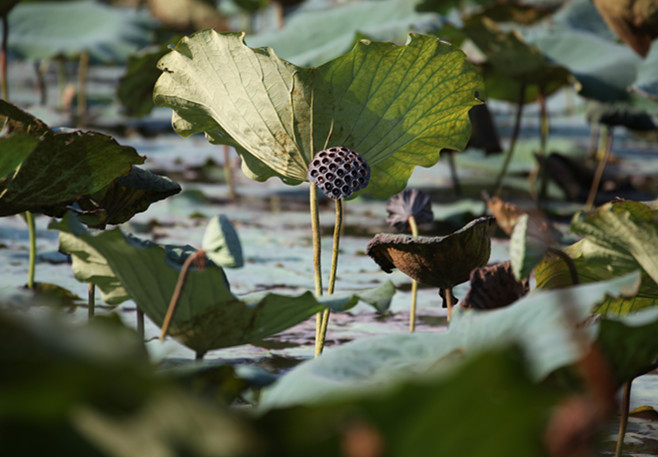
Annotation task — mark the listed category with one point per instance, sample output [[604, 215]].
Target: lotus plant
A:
[[387, 107]]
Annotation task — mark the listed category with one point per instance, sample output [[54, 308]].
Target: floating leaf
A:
[[396, 106], [409, 203], [494, 286], [221, 243], [208, 315], [536, 323], [62, 166], [44, 30], [124, 197], [442, 261]]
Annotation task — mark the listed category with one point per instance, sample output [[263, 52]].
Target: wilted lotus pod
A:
[[410, 202], [338, 172], [441, 261], [494, 286]]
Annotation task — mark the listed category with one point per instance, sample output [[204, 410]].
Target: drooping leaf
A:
[[50, 29], [536, 323], [442, 261], [208, 315], [313, 36], [62, 166], [409, 203], [124, 197], [628, 227], [221, 243], [396, 106]]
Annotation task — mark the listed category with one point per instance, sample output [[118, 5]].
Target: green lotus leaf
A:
[[124, 197], [396, 106], [617, 236], [221, 243], [208, 315], [61, 168], [441, 261], [15, 149], [43, 30]]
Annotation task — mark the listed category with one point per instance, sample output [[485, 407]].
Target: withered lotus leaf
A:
[[409, 202], [440, 261], [494, 286]]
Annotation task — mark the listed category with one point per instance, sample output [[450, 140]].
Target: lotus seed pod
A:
[[338, 172]]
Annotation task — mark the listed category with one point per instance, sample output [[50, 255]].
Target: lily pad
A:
[[396, 106], [61, 168], [42, 30], [208, 315]]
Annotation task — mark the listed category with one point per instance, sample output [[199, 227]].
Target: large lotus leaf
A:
[[315, 36], [208, 316], [397, 106], [15, 149], [489, 394], [628, 227], [536, 323], [62, 166], [512, 56], [442, 261], [43, 30], [124, 197]]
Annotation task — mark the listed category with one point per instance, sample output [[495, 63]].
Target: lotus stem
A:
[[83, 70], [603, 155], [200, 254], [543, 141], [317, 252], [32, 230], [623, 420], [3, 57], [228, 174], [332, 274], [448, 293], [414, 283], [453, 173], [140, 323], [91, 308], [515, 134]]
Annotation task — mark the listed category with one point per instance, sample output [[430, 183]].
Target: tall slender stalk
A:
[[32, 230], [3, 57], [332, 275], [317, 257], [83, 70], [623, 420], [453, 173], [603, 156], [228, 174], [414, 283], [515, 134], [543, 140], [448, 293]]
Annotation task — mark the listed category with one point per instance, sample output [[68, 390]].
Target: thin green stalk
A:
[[332, 274], [453, 173], [32, 230], [140, 323], [3, 57], [544, 131], [515, 134], [83, 70], [414, 283], [623, 420], [603, 156], [91, 310], [317, 252]]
